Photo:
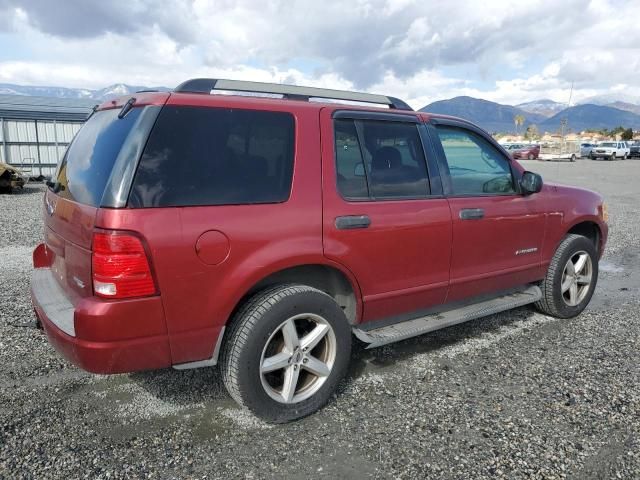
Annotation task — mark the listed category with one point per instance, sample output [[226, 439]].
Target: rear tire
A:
[[530, 156], [624, 157], [270, 363], [573, 157], [571, 278]]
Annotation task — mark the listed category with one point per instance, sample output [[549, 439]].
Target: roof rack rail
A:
[[292, 92]]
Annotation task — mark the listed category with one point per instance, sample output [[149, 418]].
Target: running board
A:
[[418, 326]]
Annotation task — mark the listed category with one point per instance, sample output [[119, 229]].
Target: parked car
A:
[[10, 178], [610, 151], [530, 152], [586, 148], [512, 146], [634, 149], [299, 226]]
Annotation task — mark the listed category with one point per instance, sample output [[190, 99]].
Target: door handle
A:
[[350, 222], [471, 213]]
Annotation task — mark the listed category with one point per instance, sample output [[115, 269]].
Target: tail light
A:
[[120, 266]]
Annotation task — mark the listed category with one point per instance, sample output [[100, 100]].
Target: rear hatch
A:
[[73, 198]]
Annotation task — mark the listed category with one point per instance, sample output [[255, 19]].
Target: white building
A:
[[35, 131]]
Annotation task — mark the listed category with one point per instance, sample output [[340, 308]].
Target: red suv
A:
[[189, 229]]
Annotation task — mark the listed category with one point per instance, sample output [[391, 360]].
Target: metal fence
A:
[[35, 146]]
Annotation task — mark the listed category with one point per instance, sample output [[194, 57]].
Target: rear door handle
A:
[[351, 222], [471, 213]]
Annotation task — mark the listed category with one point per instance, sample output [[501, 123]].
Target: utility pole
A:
[[564, 123]]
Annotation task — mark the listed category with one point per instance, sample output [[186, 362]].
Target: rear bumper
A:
[[100, 336]]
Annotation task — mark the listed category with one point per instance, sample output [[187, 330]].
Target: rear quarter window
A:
[[215, 156]]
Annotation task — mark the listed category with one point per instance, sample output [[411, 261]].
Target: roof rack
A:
[[291, 92]]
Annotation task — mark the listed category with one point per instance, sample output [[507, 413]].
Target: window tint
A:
[[475, 166], [386, 157], [214, 156], [87, 164], [352, 181]]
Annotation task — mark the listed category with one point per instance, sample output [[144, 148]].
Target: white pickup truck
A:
[[610, 150]]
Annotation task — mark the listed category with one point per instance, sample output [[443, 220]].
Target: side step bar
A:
[[418, 326]]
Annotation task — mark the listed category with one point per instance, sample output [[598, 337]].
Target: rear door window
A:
[[87, 164], [379, 160], [215, 156]]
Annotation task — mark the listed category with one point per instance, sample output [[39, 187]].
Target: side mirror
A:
[[530, 183], [358, 171]]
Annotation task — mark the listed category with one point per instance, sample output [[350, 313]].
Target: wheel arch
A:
[[329, 278], [589, 229]]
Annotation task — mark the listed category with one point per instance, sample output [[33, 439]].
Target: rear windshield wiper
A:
[[126, 108]]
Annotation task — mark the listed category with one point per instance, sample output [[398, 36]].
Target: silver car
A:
[[585, 149]]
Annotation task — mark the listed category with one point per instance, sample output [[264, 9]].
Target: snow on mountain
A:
[[106, 93], [609, 98], [544, 107], [629, 107]]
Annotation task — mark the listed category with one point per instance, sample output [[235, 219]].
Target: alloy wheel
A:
[[298, 358], [576, 278]]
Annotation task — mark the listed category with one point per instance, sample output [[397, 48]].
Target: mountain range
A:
[[547, 115], [102, 94], [603, 111]]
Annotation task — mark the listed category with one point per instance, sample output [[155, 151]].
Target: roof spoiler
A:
[[291, 92]]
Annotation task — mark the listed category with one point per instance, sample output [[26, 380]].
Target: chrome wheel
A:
[[298, 358], [576, 278]]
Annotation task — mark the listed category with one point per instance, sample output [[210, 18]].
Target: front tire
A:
[[288, 348], [571, 278], [612, 157]]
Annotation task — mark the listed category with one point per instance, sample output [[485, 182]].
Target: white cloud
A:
[[510, 51]]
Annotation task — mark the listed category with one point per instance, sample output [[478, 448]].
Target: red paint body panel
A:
[[416, 254], [68, 235], [123, 356], [485, 257], [567, 207], [402, 260], [142, 99], [199, 298]]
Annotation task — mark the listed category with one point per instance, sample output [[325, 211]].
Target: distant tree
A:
[[616, 131], [627, 134], [518, 120], [532, 132]]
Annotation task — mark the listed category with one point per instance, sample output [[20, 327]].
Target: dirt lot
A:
[[515, 395]]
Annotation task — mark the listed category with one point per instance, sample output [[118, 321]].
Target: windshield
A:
[[88, 162]]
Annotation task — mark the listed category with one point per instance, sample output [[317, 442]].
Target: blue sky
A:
[[506, 51]]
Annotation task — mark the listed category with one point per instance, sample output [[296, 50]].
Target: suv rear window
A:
[[87, 164], [215, 156]]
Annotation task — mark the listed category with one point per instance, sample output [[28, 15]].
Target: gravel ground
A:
[[515, 395]]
